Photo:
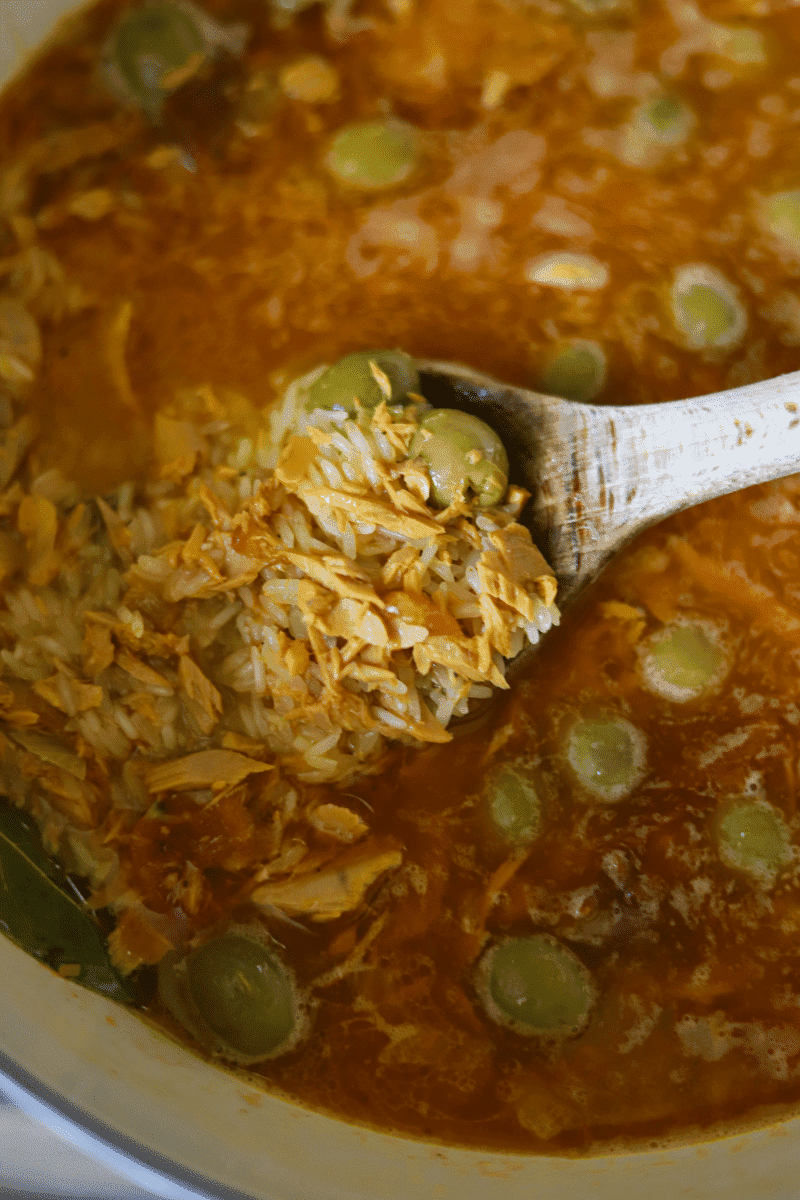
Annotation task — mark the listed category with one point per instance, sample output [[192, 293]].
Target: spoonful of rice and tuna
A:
[[598, 474]]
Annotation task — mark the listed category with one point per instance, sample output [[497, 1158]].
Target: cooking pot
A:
[[166, 1119]]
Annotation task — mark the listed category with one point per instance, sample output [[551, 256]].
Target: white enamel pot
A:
[[168, 1120]]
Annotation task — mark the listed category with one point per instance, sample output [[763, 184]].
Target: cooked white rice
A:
[[285, 593]]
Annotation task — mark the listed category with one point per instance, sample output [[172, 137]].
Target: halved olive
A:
[[514, 806], [236, 996], [372, 155], [568, 271], [159, 45], [462, 453], [705, 314], [243, 992], [683, 660], [577, 371], [779, 214], [753, 838], [657, 127], [607, 755], [666, 119], [706, 307], [744, 45], [536, 986], [151, 48], [369, 376]]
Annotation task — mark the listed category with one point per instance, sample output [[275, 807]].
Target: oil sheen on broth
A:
[[584, 926]]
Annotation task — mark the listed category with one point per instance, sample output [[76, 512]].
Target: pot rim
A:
[[46, 1070], [180, 1124]]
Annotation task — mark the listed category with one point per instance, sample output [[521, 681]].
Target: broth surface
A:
[[214, 250]]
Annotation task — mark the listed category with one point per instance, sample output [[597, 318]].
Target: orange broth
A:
[[225, 255]]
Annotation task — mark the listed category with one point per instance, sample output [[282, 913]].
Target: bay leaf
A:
[[42, 917]]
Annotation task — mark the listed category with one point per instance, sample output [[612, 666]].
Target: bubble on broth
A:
[[711, 1037]]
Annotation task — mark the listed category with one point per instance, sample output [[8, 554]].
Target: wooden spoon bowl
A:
[[600, 474]]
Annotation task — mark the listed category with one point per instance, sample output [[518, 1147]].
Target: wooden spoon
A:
[[598, 475]]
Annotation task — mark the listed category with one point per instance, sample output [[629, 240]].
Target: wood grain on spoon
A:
[[600, 474]]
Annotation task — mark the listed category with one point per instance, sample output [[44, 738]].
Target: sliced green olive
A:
[[656, 127], [462, 453], [779, 214], [373, 154], [706, 316], [753, 838], [743, 45], [607, 755], [235, 995], [536, 986], [683, 660], [514, 805], [157, 47], [577, 371], [367, 375], [244, 994], [152, 49], [568, 271], [706, 308], [666, 119]]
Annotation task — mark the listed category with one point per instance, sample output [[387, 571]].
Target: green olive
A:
[[365, 375], [536, 986], [753, 838], [372, 155], [568, 271], [514, 806], [244, 994], [682, 661], [658, 126], [666, 119], [745, 46], [577, 371], [780, 216], [607, 755], [152, 44], [705, 314], [462, 453], [706, 308]]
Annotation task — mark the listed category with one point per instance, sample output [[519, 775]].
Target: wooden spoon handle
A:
[[633, 466], [598, 475]]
